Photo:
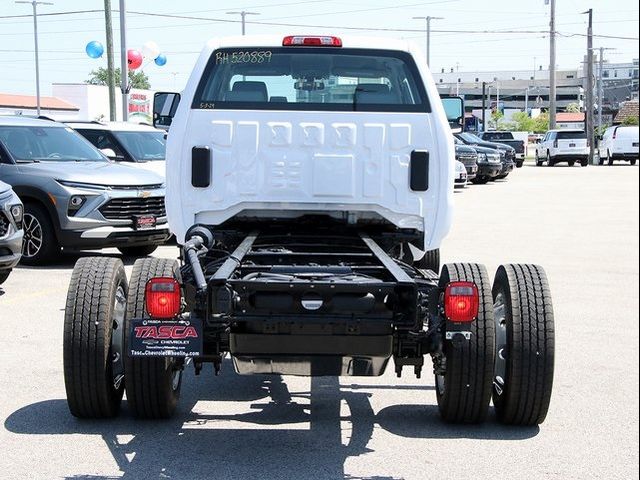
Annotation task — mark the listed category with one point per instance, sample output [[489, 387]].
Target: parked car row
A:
[[484, 161], [571, 146], [74, 196]]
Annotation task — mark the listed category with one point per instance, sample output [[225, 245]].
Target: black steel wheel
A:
[[93, 345], [464, 390], [525, 344], [152, 384]]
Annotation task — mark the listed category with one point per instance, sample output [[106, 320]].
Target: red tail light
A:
[[162, 297], [304, 41], [461, 302]]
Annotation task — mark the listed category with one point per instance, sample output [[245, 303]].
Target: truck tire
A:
[[572, 163], [430, 261], [139, 251], [550, 162], [519, 164], [4, 274], [524, 343], [94, 319], [464, 391], [633, 162], [584, 162], [152, 384], [40, 245]]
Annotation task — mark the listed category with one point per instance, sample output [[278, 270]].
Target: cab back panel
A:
[[351, 161]]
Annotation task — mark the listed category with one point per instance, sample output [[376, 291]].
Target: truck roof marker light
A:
[[311, 41], [162, 297], [461, 302]]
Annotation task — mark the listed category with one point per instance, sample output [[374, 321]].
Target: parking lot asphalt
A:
[[581, 224]]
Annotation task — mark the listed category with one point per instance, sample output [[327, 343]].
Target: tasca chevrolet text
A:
[[315, 190]]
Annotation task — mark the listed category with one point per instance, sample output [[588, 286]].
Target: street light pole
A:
[[428, 25], [243, 15], [35, 4], [124, 64]]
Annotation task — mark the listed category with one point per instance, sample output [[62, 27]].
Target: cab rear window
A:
[[302, 78]]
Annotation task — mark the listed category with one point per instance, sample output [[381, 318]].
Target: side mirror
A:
[[454, 109], [165, 105], [109, 153]]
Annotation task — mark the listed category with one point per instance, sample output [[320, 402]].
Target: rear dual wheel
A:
[[152, 383], [464, 391], [525, 344], [93, 347]]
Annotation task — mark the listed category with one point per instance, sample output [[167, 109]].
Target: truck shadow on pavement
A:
[[285, 435]]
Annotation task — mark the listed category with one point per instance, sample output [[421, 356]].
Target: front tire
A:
[[539, 161], [525, 345], [93, 337], [40, 245], [139, 251], [4, 274], [464, 391], [152, 384]]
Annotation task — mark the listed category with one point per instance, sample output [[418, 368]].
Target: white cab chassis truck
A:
[[310, 185]]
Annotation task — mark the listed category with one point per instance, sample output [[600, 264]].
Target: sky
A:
[[472, 36]]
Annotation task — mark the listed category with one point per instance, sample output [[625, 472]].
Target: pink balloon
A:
[[134, 59]]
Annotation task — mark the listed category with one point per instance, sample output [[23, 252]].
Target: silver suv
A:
[[75, 197], [11, 212]]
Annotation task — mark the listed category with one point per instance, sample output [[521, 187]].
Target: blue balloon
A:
[[94, 49], [161, 60]]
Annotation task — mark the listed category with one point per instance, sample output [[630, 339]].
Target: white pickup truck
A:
[[310, 185]]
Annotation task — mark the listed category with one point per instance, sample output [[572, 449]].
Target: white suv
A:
[[619, 143], [135, 144], [563, 146]]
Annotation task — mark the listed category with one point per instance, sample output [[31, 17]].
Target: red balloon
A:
[[134, 59]]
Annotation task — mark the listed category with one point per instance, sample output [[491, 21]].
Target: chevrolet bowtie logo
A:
[[143, 194]]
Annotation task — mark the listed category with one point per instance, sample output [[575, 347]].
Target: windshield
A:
[[571, 135], [55, 144], [296, 78], [470, 137], [143, 146]]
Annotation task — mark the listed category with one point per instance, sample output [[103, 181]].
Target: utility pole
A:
[[111, 77], [601, 84], [35, 4], [552, 66], [589, 109], [428, 24], [124, 65], [243, 15]]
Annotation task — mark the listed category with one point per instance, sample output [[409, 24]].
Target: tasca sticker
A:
[[155, 338]]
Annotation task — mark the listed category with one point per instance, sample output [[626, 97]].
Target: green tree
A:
[[541, 123], [573, 108], [136, 79], [630, 121]]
